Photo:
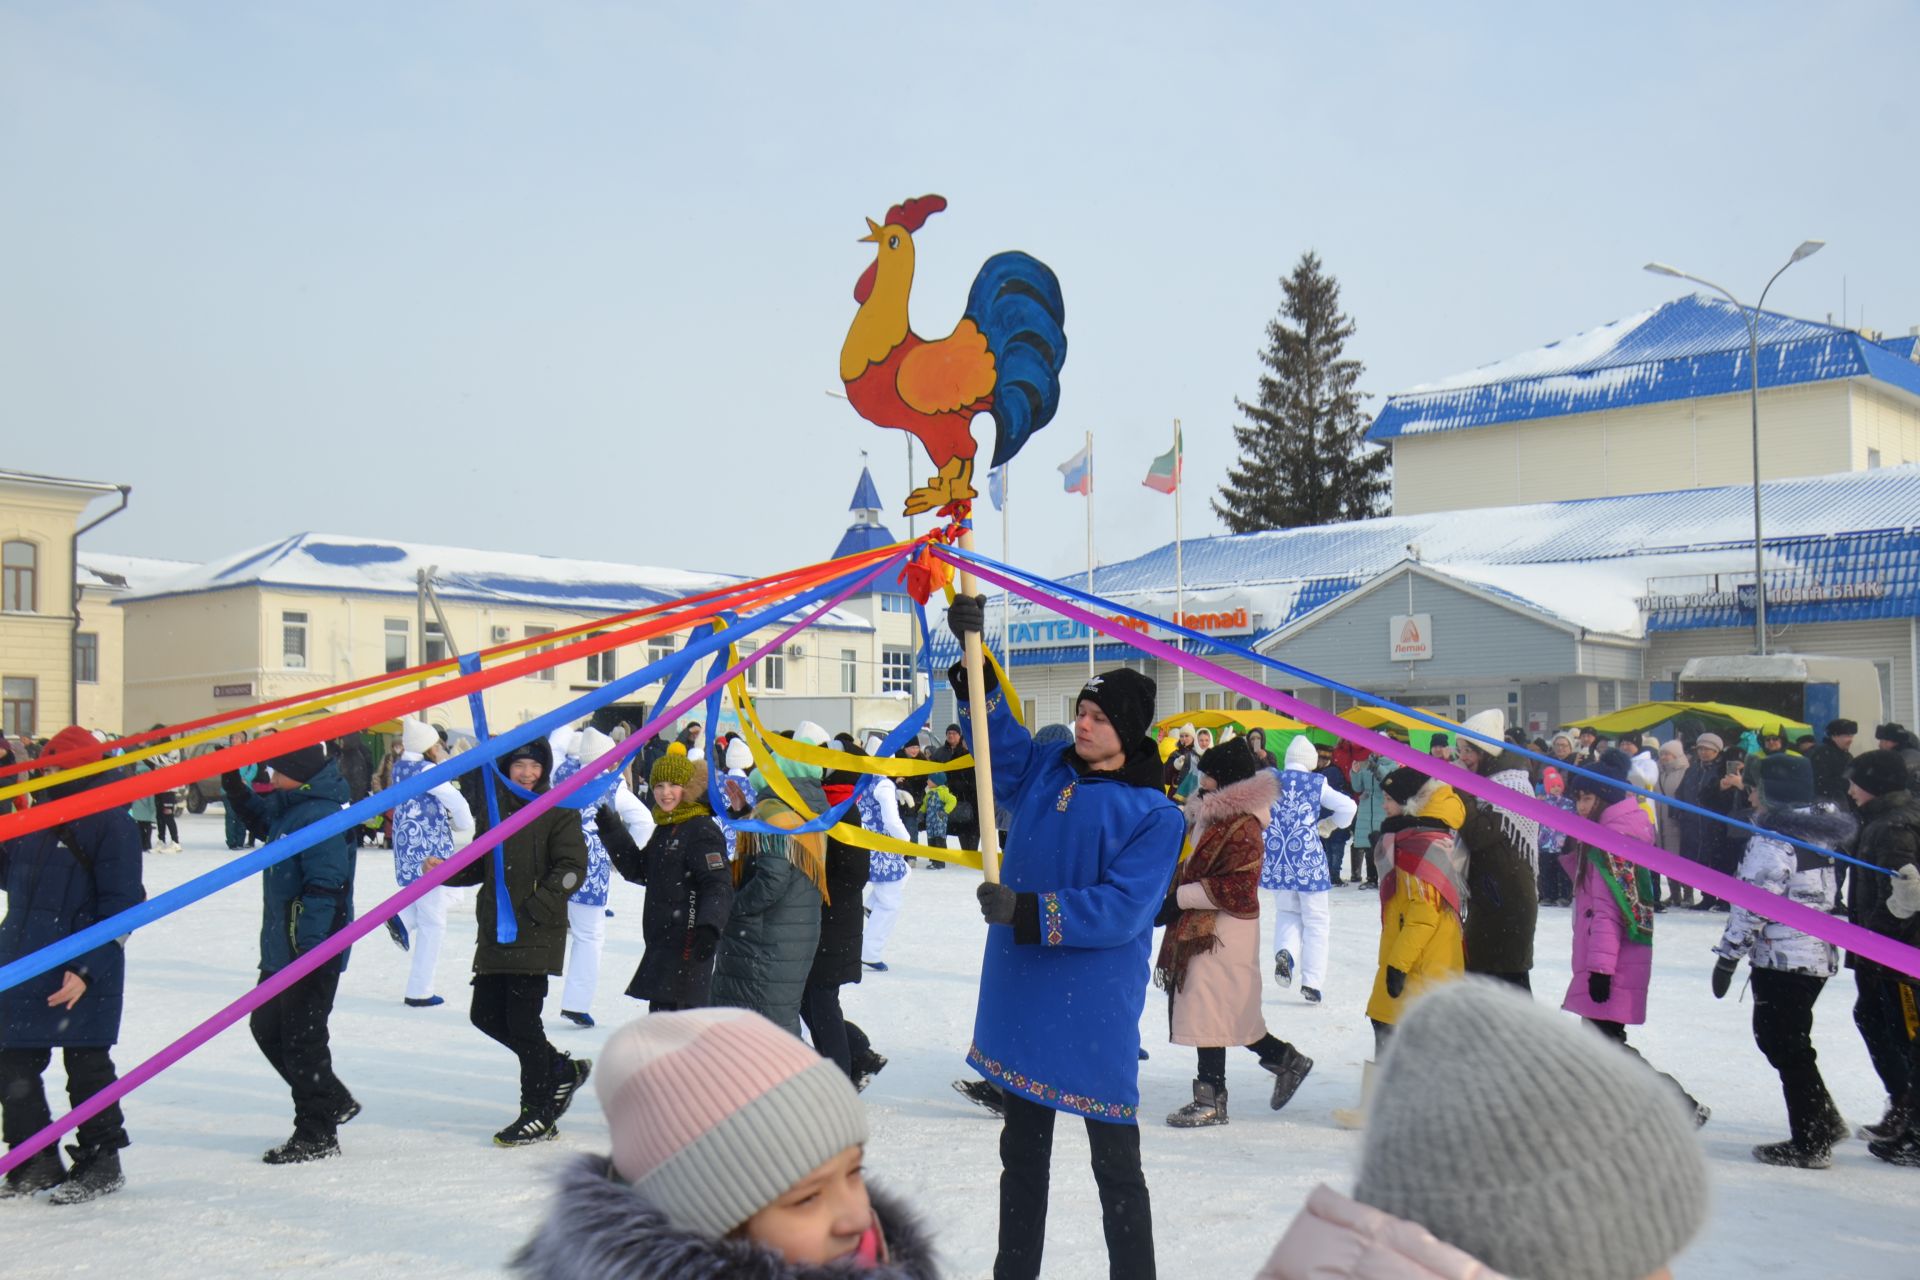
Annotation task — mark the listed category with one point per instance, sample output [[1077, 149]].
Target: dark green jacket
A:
[[773, 928], [546, 863], [308, 897]]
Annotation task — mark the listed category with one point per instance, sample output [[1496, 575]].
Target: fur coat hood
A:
[[1252, 798], [599, 1229]]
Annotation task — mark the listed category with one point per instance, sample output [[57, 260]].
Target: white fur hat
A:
[[810, 732], [591, 745], [1491, 723], [739, 755], [417, 735], [1302, 754], [573, 747]]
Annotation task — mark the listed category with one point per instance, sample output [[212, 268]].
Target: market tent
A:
[[1240, 720], [1708, 715]]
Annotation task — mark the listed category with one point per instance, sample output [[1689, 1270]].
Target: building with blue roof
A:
[[1652, 402]]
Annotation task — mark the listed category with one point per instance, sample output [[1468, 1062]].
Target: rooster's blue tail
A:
[[1015, 302]]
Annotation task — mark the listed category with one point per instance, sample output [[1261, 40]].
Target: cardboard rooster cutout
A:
[[1003, 358]]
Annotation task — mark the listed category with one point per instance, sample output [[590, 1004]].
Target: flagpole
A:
[[1090, 547], [1006, 555], [1179, 572]]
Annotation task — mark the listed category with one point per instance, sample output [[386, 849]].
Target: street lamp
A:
[[1752, 316]]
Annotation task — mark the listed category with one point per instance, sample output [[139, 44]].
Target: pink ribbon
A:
[[1844, 933]]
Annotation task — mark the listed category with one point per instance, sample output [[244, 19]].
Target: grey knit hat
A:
[[717, 1113], [1530, 1141]]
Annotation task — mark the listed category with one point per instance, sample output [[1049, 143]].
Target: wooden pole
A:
[[975, 658]]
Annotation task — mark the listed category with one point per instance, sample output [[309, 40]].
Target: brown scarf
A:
[[806, 851], [1228, 825]]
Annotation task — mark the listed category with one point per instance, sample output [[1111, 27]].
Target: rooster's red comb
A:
[[914, 213]]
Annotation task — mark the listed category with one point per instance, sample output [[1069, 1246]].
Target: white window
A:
[[1026, 708], [530, 632], [894, 603], [397, 643], [753, 668], [1873, 459], [19, 577], [86, 657], [19, 705], [896, 670], [849, 671], [600, 666], [659, 649], [434, 644], [293, 640], [773, 671]]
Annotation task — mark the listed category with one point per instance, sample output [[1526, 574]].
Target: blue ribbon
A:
[[505, 927], [1361, 695], [158, 908]]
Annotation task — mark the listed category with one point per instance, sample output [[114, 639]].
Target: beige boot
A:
[[1356, 1117]]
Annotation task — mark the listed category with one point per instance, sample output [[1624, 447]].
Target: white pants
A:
[[1300, 925], [587, 931], [883, 900], [426, 922]]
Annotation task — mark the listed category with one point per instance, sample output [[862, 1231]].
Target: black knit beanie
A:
[[1403, 784], [1614, 763], [301, 763], [1127, 698]]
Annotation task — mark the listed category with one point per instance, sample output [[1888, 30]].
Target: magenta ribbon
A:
[[308, 961], [1844, 933]]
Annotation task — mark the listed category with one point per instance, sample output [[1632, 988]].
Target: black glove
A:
[[967, 613], [1169, 911], [1396, 982], [957, 677], [706, 940], [1723, 971], [1600, 987], [997, 903]]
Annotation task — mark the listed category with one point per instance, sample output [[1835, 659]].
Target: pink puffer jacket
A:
[[1338, 1238]]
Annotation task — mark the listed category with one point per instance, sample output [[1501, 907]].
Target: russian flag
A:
[[1078, 471]]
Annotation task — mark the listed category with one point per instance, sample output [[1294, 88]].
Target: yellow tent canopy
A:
[[1240, 720], [1645, 715], [1375, 717]]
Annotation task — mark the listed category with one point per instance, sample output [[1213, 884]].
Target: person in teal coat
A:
[[1090, 859]]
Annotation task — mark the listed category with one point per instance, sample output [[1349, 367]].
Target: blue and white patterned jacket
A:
[[880, 814], [423, 827]]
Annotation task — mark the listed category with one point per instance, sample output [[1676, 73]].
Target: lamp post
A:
[[1752, 316]]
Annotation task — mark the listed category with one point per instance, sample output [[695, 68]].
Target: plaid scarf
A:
[[1632, 889], [1227, 852]]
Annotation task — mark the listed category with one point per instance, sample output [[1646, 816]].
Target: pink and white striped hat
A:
[[716, 1113]]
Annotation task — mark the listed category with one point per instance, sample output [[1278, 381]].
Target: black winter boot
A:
[[1209, 1107], [980, 1092], [1898, 1117], [38, 1172], [303, 1148], [1903, 1150], [1795, 1154], [1288, 1073], [96, 1172]]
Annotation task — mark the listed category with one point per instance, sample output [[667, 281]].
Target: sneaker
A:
[[981, 1094], [878, 966], [426, 1003], [577, 1019], [347, 1112], [96, 1173], [1310, 994], [1903, 1150], [865, 1068], [1283, 968], [1288, 1074], [302, 1149], [398, 932], [573, 1074], [531, 1127], [1794, 1155], [38, 1172]]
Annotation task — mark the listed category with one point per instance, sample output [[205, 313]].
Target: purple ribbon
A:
[[1830, 928], [376, 918]]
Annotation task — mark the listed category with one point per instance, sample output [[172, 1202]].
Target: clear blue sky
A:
[[573, 278]]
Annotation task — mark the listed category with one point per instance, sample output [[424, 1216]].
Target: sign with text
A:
[[1410, 637], [233, 690]]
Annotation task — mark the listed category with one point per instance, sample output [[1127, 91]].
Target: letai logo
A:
[[1410, 632]]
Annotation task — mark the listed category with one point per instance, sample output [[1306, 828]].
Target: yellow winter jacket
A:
[[1419, 933]]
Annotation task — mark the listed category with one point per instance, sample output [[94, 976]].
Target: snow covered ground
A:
[[422, 1192]]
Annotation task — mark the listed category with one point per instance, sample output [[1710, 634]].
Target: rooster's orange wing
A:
[[945, 376]]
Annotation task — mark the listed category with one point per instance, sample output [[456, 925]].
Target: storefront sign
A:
[[1740, 596], [1043, 632], [1410, 637], [233, 690]]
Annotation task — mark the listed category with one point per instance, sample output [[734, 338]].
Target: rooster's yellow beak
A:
[[873, 233]]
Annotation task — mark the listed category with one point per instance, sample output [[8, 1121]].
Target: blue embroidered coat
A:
[[1295, 857], [880, 814], [593, 891], [422, 828], [1059, 1018]]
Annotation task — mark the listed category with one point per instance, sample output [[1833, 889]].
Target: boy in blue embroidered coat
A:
[[1092, 850]]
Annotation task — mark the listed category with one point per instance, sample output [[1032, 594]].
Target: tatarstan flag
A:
[[1164, 474]]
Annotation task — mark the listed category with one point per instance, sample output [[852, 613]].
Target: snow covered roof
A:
[[1845, 545], [1691, 347], [126, 573], [342, 563]]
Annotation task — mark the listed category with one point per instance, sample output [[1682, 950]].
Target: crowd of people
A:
[[755, 919]]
